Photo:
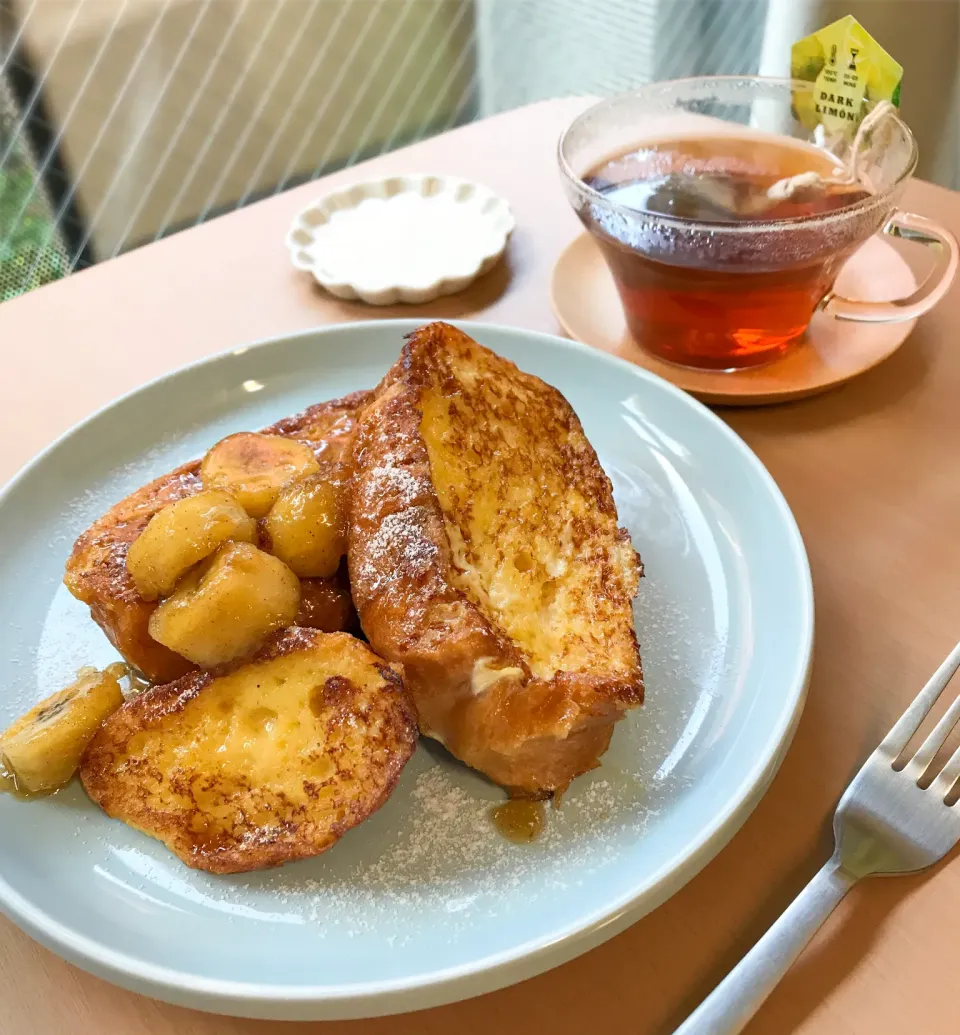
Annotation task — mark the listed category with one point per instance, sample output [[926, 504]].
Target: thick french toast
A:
[[96, 571], [269, 763], [485, 557]]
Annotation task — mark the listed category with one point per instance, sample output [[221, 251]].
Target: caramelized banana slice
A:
[[181, 535], [41, 750], [226, 609], [256, 467], [306, 528]]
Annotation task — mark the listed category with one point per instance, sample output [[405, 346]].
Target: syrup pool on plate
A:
[[520, 820]]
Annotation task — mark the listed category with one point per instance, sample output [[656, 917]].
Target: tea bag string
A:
[[850, 175], [858, 148]]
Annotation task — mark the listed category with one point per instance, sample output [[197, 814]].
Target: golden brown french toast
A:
[[271, 762], [485, 557], [96, 571]]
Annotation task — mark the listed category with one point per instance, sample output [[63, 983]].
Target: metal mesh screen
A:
[[126, 120], [32, 251]]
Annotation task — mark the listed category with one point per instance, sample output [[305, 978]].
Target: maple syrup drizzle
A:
[[520, 820]]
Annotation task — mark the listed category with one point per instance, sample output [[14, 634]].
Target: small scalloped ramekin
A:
[[401, 238]]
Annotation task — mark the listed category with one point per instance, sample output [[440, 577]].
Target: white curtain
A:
[[529, 50]]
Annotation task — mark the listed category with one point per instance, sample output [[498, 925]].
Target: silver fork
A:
[[885, 824]]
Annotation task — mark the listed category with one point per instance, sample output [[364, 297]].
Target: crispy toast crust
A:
[[96, 571], [530, 723], [170, 762]]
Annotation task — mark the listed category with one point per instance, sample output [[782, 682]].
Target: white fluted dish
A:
[[401, 239]]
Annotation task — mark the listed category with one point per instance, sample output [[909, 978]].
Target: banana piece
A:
[[227, 608], [306, 528], [181, 535], [40, 752], [256, 467]]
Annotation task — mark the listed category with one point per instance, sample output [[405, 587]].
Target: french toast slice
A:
[[271, 762], [485, 557], [96, 571]]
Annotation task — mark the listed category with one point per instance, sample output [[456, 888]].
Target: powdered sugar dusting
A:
[[400, 538], [451, 861], [92, 503], [398, 483]]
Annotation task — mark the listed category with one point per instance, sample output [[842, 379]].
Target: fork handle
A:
[[738, 997]]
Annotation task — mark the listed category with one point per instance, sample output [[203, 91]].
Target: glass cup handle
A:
[[911, 228]]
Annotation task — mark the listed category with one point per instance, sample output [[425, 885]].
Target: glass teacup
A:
[[725, 220]]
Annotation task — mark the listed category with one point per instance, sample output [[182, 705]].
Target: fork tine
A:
[[908, 723], [927, 751], [947, 776]]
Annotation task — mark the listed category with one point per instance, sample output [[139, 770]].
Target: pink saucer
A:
[[833, 351]]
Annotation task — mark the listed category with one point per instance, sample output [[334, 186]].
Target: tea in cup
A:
[[725, 222]]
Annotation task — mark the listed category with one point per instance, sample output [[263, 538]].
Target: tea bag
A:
[[847, 67], [715, 197], [875, 136], [695, 196]]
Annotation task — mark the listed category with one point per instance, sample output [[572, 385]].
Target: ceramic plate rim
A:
[[532, 957]]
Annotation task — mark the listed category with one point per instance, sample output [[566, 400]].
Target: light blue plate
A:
[[425, 903]]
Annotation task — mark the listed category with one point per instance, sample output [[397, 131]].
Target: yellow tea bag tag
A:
[[847, 66]]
